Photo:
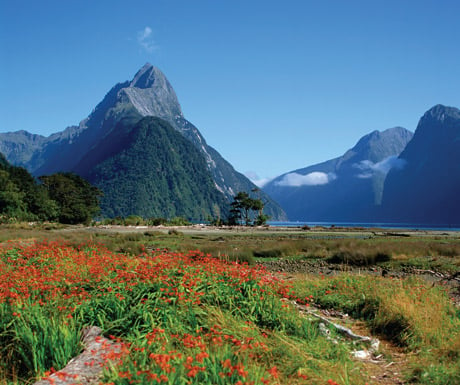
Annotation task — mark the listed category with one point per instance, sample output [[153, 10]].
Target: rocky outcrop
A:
[[86, 368]]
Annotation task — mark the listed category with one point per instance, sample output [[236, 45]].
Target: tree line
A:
[[63, 197], [68, 198]]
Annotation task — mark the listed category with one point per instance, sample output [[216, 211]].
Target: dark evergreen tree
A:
[[77, 199], [12, 202], [246, 209]]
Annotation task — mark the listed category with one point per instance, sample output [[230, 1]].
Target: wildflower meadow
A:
[[180, 318], [192, 318]]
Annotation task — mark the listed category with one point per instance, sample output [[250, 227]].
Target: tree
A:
[[38, 204], [11, 198], [261, 218], [77, 199], [21, 197], [244, 209]]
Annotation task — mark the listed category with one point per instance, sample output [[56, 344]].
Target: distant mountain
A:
[[20, 146], [76, 148], [347, 188], [427, 189]]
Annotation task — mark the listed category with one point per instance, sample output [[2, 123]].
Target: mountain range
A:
[[346, 188], [389, 176], [149, 160], [139, 149]]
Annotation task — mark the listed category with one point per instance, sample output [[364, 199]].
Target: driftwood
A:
[[448, 277], [365, 354], [86, 369]]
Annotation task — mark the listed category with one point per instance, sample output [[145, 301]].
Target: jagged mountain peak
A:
[[398, 130], [378, 145], [151, 94], [381, 135], [441, 112], [148, 76], [438, 124]]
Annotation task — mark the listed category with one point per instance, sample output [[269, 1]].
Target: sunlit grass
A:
[[415, 315]]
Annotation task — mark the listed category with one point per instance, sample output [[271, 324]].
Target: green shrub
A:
[[268, 253], [152, 233], [156, 221], [134, 220], [358, 258], [178, 221], [133, 237]]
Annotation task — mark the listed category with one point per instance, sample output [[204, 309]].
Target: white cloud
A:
[[315, 178], [254, 178], [145, 39], [369, 168]]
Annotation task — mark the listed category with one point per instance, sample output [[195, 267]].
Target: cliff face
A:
[[427, 188]]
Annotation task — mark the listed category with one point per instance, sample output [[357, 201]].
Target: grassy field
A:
[[193, 306]]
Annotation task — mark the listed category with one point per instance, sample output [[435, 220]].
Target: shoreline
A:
[[307, 231]]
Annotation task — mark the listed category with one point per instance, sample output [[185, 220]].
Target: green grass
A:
[[413, 314], [440, 250]]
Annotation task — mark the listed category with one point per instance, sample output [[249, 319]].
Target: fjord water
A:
[[403, 226]]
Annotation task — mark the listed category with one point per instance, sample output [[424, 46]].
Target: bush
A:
[[269, 253], [358, 258], [178, 221], [156, 221], [152, 233], [134, 220], [228, 253], [174, 232]]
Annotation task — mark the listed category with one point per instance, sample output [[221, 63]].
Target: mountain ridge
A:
[[154, 165], [346, 188]]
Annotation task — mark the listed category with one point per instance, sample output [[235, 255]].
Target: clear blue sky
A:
[[272, 85]]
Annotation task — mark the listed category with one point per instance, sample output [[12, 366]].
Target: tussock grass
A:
[[358, 258], [441, 252], [410, 312], [229, 253]]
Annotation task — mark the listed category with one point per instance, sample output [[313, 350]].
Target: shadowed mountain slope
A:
[[427, 189], [347, 188]]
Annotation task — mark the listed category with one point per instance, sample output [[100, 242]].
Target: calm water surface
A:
[[407, 226]]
